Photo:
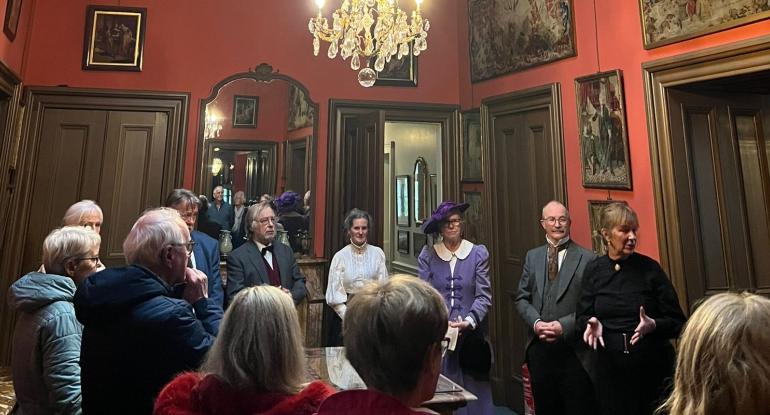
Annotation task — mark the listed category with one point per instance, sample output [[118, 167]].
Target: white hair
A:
[[75, 213], [153, 231], [65, 243]]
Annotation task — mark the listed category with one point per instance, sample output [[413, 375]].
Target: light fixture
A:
[[216, 166], [369, 29], [212, 127]]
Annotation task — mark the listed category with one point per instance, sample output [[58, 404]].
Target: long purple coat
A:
[[467, 294]]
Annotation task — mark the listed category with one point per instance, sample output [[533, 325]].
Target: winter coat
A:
[[46, 345]]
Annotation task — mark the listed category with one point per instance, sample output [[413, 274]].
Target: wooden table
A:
[[330, 365]]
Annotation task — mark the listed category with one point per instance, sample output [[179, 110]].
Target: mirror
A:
[[421, 184], [257, 135]]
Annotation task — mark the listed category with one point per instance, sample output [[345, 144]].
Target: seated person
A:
[[394, 335], [46, 341], [256, 365], [723, 365], [290, 215]]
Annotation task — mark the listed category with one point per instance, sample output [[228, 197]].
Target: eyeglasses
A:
[[94, 259], [190, 214], [552, 221], [445, 345], [453, 222], [188, 246], [265, 221]]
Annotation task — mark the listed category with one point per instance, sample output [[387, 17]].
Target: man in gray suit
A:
[[260, 261], [548, 292]]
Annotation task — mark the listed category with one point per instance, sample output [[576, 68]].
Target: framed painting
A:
[[12, 15], [301, 113], [419, 240], [245, 110], [508, 36], [114, 38], [670, 21], [470, 148], [474, 229], [595, 208], [399, 72], [403, 241], [602, 131], [402, 200]]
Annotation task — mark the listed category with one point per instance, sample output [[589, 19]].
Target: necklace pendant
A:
[[617, 267]]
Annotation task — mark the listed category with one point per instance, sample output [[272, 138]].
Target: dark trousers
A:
[[560, 385]]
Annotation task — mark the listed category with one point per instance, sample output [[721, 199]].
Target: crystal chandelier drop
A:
[[369, 29], [212, 126]]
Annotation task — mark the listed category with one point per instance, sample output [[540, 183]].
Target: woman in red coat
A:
[[256, 365]]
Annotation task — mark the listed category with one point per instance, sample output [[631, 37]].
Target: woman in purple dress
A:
[[459, 270]]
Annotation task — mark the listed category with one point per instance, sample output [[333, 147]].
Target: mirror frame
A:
[[420, 195], [261, 73]]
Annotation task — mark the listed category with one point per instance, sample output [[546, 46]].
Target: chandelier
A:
[[369, 29], [212, 126]]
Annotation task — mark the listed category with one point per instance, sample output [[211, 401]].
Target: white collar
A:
[[561, 242], [260, 245], [462, 251]]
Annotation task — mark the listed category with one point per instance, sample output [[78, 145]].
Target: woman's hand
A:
[[462, 325], [593, 334], [646, 326]]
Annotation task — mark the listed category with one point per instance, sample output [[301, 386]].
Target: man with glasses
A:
[[136, 334], [205, 253], [261, 261], [548, 292]]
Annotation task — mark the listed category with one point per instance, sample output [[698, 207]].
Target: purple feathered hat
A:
[[442, 213], [287, 202]]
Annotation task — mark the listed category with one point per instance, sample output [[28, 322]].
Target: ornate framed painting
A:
[[245, 110], [301, 113], [595, 208], [670, 21], [602, 131], [114, 38], [470, 148], [403, 241], [508, 36], [12, 15], [399, 72], [402, 200]]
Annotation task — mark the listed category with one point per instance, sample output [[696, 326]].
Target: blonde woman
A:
[[723, 366], [256, 365]]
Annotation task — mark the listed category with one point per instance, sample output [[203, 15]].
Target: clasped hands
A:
[[592, 336], [548, 331]]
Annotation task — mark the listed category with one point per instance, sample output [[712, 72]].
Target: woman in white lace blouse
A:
[[353, 266]]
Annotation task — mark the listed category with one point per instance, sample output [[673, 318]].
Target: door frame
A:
[[38, 99], [446, 115], [542, 97], [723, 61]]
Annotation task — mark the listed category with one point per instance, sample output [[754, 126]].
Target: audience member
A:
[[723, 366], [84, 213], [136, 335], [220, 211], [46, 340], [239, 224], [204, 224], [394, 334], [256, 365], [291, 217]]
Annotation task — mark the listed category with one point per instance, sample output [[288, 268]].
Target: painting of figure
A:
[[114, 38], [602, 131], [300, 111], [669, 21], [511, 35]]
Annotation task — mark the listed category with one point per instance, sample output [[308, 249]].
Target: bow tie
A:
[[266, 249]]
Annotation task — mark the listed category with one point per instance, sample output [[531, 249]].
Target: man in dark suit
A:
[[205, 256], [548, 292], [261, 261]]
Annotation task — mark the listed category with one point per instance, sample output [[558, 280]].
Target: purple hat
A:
[[287, 202], [442, 213]]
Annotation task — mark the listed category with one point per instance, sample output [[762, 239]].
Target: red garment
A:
[[366, 401], [194, 394]]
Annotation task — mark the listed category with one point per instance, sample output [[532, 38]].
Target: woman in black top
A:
[[628, 312]]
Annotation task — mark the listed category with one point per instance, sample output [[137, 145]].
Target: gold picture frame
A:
[[114, 38]]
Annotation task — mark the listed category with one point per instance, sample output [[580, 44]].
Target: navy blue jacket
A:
[[136, 338], [206, 253]]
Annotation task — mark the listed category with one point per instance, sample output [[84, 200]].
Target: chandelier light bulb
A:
[[320, 4]]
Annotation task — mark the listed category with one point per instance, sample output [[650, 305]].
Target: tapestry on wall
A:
[[508, 36], [669, 21], [300, 111], [602, 131]]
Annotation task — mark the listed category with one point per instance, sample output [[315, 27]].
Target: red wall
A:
[[272, 113], [12, 52], [619, 47], [193, 44]]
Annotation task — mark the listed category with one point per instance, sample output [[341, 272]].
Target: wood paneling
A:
[[311, 309]]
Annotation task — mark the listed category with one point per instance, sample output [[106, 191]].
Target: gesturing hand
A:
[[646, 325], [197, 286], [593, 334]]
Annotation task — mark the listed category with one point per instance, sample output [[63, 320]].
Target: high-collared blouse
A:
[[350, 270], [462, 278]]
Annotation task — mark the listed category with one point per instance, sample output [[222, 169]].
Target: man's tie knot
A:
[[266, 249]]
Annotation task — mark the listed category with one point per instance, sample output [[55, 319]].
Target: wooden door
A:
[[115, 158], [720, 150], [525, 172]]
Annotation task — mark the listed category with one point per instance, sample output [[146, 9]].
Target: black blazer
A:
[[246, 268]]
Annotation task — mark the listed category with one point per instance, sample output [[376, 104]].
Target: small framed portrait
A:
[[399, 72], [12, 15], [470, 148], [402, 201], [114, 38], [245, 109], [403, 241], [602, 131], [595, 208], [419, 240]]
